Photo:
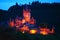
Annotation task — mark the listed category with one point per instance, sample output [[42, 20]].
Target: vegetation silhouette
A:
[[42, 12]]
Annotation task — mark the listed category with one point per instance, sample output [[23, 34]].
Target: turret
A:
[[26, 15]]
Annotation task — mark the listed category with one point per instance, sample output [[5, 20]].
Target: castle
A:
[[27, 22]]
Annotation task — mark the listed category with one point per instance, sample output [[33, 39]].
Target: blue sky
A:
[[5, 4]]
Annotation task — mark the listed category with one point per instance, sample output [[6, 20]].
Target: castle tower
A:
[[26, 15]]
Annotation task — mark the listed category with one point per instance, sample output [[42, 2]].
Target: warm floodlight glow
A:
[[33, 31], [46, 31], [27, 24]]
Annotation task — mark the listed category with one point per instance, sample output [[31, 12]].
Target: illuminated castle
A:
[[24, 24]]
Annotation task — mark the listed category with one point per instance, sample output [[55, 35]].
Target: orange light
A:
[[32, 21], [33, 31], [26, 14], [44, 31], [11, 24], [25, 28], [23, 21]]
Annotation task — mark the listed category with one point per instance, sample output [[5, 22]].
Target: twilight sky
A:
[[5, 4]]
